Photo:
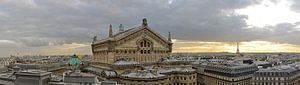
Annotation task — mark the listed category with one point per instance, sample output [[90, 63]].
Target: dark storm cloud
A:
[[55, 22]]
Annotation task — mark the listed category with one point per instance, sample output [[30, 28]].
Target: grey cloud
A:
[[284, 32], [40, 23], [37, 23], [295, 5]]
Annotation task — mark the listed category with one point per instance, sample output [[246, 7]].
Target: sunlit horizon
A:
[[179, 47]]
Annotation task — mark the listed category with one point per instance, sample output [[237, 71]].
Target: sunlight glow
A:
[[170, 1], [269, 13], [251, 46]]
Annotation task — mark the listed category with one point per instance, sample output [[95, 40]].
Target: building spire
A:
[[110, 33], [169, 37]]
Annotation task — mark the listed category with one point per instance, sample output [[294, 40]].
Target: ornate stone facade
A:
[[225, 74], [161, 76], [140, 44], [278, 75]]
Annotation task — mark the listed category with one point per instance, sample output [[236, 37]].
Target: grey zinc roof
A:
[[125, 63], [143, 74], [5, 82], [33, 72], [9, 75], [109, 83], [93, 69], [110, 73], [175, 69], [283, 68], [232, 68], [80, 79]]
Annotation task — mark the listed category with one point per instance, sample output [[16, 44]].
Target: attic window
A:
[[145, 43], [142, 44], [148, 44]]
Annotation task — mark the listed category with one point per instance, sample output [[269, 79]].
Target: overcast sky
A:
[[67, 26]]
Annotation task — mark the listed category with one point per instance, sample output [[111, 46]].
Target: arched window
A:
[[148, 44], [145, 43], [145, 47], [141, 44]]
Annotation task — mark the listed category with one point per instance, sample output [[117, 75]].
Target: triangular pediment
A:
[[142, 33]]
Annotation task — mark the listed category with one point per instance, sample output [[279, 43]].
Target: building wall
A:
[[206, 78], [32, 79], [183, 79], [276, 80], [129, 48], [145, 82], [216, 81]]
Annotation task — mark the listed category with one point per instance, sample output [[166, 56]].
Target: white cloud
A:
[[6, 42], [270, 13]]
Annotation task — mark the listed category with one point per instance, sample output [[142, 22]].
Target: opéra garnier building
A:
[[139, 44]]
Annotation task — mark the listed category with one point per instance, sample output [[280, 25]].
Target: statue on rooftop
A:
[[94, 38], [145, 22]]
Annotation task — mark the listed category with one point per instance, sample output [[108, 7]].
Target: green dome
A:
[[74, 60]]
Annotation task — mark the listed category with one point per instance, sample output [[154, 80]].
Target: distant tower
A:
[[121, 28], [110, 33], [238, 50]]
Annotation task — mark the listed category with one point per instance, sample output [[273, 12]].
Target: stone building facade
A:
[[144, 78], [140, 44], [225, 74], [278, 75], [180, 75]]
